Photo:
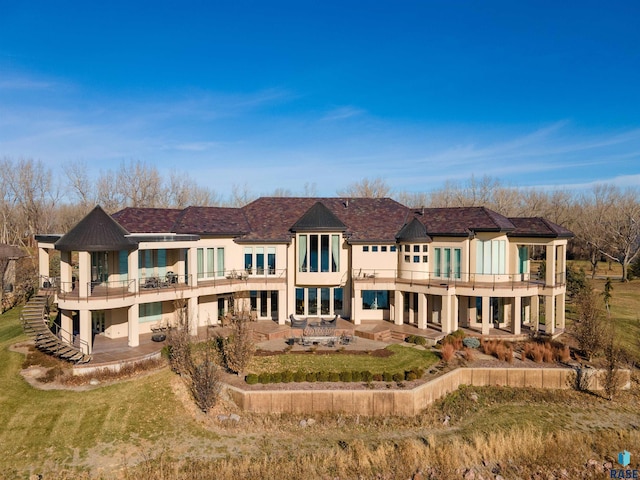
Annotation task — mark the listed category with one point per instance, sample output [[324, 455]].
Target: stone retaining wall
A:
[[403, 402]]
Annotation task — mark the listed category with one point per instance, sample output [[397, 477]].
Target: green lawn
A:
[[403, 358]]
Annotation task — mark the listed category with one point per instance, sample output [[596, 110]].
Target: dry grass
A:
[[448, 351]]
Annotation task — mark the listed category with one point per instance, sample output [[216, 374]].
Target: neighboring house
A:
[[360, 258], [9, 257]]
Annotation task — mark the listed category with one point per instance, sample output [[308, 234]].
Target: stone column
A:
[[516, 315], [453, 314], [86, 343], [192, 258], [282, 302], [133, 323], [486, 315], [399, 297]]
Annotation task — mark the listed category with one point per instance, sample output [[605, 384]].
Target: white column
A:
[[43, 264], [84, 273], [454, 313], [399, 320], [134, 274], [192, 258], [66, 324], [422, 311], [550, 277], [486, 316], [516, 315], [66, 273], [86, 343], [192, 315], [560, 310], [133, 323], [550, 314], [282, 302], [535, 310], [445, 314]]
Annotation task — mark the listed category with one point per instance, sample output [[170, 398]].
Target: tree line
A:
[[35, 199]]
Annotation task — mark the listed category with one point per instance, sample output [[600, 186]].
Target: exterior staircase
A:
[[34, 318]]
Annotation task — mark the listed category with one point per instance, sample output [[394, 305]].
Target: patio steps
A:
[[34, 318]]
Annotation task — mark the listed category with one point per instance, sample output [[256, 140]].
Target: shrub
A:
[[454, 340], [276, 377], [312, 376], [287, 376], [323, 376], [448, 351], [251, 379], [377, 377], [398, 377], [356, 376], [488, 347], [345, 376], [468, 354], [409, 376], [367, 376], [421, 341], [387, 377], [471, 342], [299, 376], [334, 377], [418, 371], [264, 378], [562, 354], [547, 353], [410, 339]]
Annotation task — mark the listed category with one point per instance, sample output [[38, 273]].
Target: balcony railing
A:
[[453, 279], [242, 275]]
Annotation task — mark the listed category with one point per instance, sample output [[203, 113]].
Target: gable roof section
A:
[[318, 219], [366, 219], [96, 232], [147, 220], [414, 231], [461, 221], [538, 227], [212, 221]]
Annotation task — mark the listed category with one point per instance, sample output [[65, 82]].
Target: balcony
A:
[[457, 279]]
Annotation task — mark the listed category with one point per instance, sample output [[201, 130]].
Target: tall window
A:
[[319, 253], [319, 301], [491, 256], [210, 262], [447, 262], [523, 259], [149, 312], [271, 260]]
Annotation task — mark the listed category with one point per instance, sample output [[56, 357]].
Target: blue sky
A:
[[279, 94]]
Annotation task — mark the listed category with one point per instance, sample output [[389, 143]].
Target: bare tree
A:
[[589, 328], [183, 191], [241, 195], [80, 184], [366, 188], [239, 348], [622, 231]]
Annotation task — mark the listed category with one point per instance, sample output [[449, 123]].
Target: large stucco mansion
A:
[[363, 259]]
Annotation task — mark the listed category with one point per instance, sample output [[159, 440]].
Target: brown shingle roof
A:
[[460, 221], [148, 220], [96, 232], [366, 219], [538, 227], [212, 221]]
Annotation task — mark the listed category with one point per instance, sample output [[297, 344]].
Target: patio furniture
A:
[[295, 323]]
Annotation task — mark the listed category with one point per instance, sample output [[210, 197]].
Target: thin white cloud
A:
[[342, 113]]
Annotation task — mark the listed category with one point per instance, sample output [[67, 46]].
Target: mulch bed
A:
[[379, 353]]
